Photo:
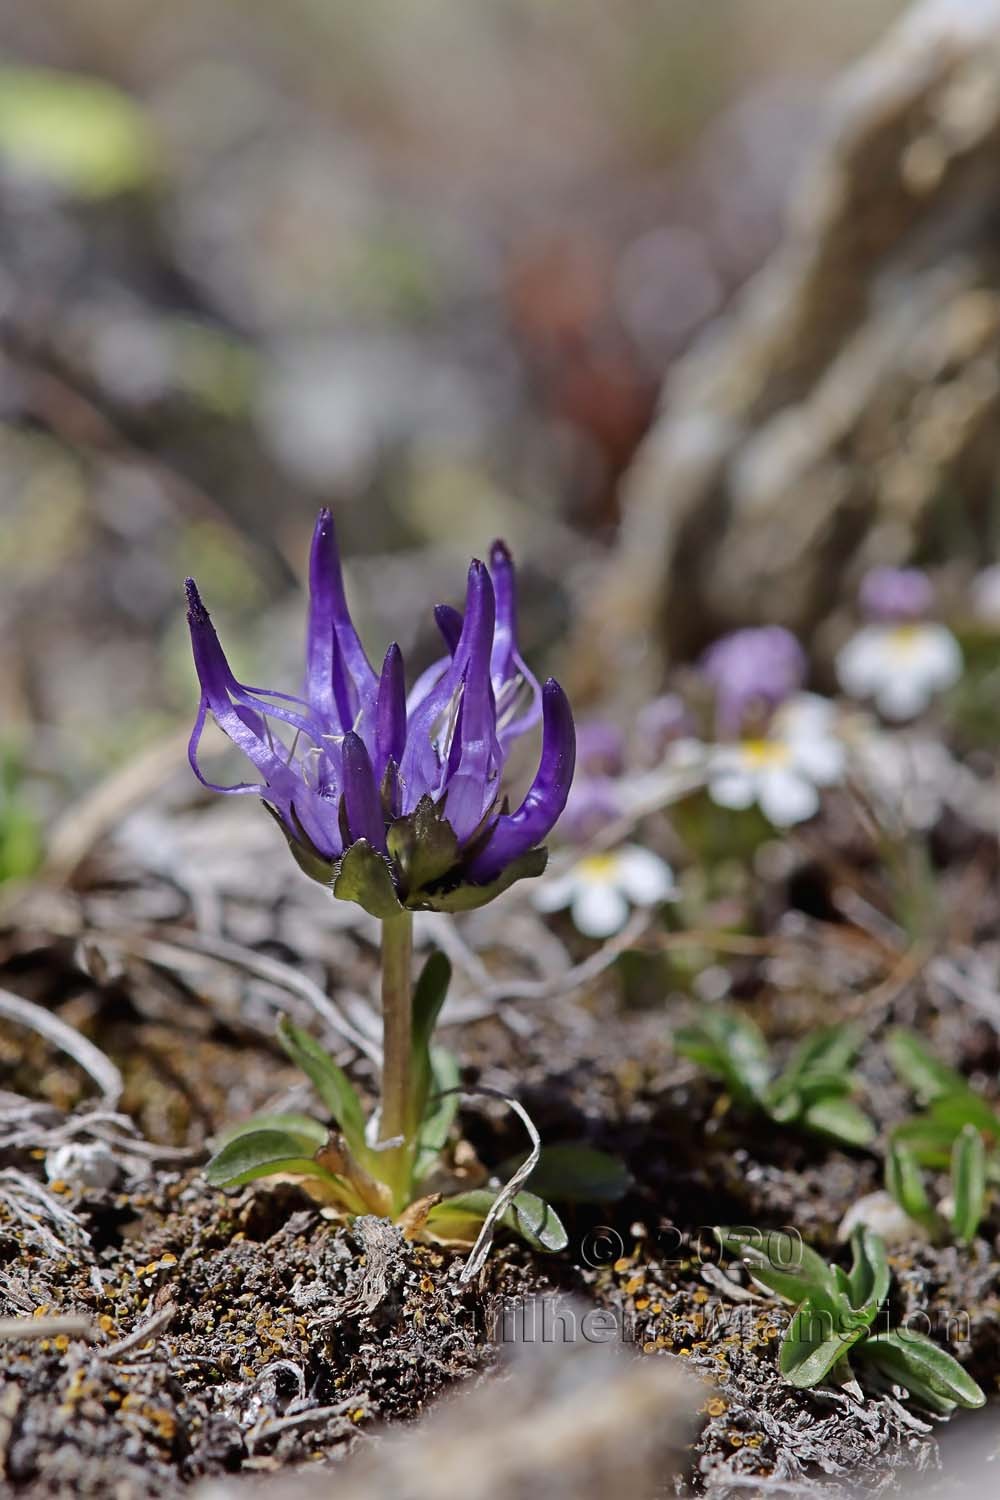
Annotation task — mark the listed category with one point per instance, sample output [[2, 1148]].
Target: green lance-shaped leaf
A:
[[920, 1069], [309, 1132], [968, 1183], [840, 1119], [781, 1262], [429, 996], [536, 1222], [929, 1141], [574, 1174], [966, 1108], [330, 1082], [731, 1047], [829, 1050], [905, 1181], [869, 1276], [440, 1110], [264, 1153], [927, 1371], [460, 1218], [818, 1336]]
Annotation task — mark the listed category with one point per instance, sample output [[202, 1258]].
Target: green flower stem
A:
[[397, 1029]]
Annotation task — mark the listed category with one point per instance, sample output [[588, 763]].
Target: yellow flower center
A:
[[903, 639], [764, 753], [597, 867]]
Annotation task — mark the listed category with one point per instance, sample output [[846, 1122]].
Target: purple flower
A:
[[752, 671], [600, 748], [895, 594], [395, 799], [661, 723], [594, 803]]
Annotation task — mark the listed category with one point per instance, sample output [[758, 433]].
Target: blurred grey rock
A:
[[570, 1417], [845, 412], [83, 1164]]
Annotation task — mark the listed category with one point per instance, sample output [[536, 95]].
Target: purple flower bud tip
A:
[[449, 622], [895, 594], [196, 611]]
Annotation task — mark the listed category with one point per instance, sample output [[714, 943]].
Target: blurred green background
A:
[[427, 263]]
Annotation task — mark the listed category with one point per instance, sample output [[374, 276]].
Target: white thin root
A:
[[93, 1062], [509, 1191], [70, 1326]]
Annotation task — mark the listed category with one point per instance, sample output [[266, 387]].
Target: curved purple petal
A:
[[217, 680], [515, 833], [449, 622], [473, 774], [505, 636], [507, 667], [390, 712], [425, 684], [243, 722], [362, 803], [432, 720], [254, 788], [340, 682]]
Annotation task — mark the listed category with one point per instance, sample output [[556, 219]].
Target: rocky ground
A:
[[179, 1332]]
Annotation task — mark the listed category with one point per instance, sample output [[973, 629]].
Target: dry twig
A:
[[93, 1062]]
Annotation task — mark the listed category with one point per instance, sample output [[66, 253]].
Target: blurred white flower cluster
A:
[[755, 738]]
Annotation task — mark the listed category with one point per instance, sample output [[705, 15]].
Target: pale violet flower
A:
[[899, 660], [600, 748], [752, 671], [594, 804], [660, 726], [783, 769], [600, 889]]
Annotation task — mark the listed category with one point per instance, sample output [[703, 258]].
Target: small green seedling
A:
[[341, 1164], [958, 1132], [840, 1313], [812, 1092]]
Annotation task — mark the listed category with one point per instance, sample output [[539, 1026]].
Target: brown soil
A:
[[278, 1339]]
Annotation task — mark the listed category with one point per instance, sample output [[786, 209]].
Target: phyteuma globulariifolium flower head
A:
[[395, 799]]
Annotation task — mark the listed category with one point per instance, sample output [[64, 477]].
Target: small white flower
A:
[[782, 770], [900, 666], [600, 888]]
